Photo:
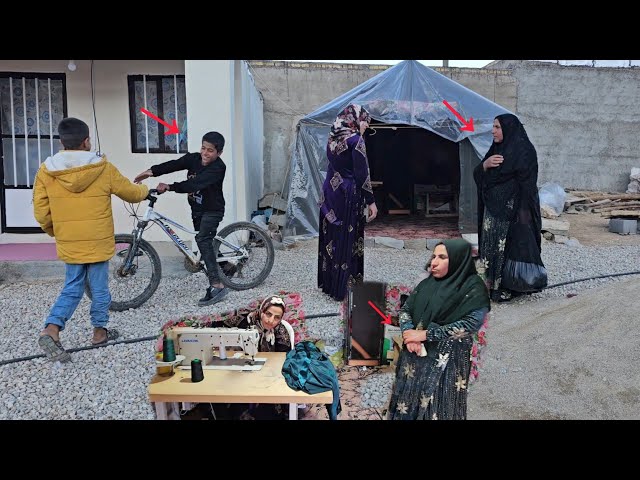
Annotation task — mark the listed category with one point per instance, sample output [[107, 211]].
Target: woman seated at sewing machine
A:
[[274, 337]]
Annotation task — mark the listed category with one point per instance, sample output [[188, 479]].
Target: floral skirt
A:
[[429, 388], [493, 242]]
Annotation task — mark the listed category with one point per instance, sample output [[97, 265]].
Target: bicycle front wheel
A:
[[133, 288], [250, 262]]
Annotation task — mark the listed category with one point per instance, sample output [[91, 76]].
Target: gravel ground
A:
[[110, 383]]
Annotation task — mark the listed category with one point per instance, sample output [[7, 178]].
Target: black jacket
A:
[[203, 184]]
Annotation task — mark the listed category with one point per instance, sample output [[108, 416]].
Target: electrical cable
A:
[[316, 315], [592, 278], [93, 104], [120, 342]]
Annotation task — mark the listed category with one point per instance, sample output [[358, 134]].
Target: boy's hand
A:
[[142, 176], [162, 187]]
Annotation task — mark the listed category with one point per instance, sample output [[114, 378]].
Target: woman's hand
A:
[[141, 176], [411, 336], [373, 212], [492, 162], [414, 347]]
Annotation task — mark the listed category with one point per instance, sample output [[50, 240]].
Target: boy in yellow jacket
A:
[[72, 202]]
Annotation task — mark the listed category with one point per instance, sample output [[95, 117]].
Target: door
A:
[[31, 106], [365, 332]]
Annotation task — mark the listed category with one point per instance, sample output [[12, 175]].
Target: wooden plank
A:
[[618, 206], [622, 213], [600, 202], [440, 215], [396, 201], [399, 212], [360, 363], [616, 196]]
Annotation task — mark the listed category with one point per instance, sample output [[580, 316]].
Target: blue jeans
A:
[[98, 274]]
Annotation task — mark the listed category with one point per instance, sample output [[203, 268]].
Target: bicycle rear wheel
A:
[[136, 287], [254, 261]]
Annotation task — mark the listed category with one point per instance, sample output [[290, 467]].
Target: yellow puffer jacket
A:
[[72, 202]]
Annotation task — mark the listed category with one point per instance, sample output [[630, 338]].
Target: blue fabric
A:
[[306, 368], [67, 302]]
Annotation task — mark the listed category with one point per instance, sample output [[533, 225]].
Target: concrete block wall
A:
[[583, 121], [293, 90]]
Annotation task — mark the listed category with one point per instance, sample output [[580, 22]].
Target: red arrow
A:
[[387, 319], [171, 129], [467, 125]]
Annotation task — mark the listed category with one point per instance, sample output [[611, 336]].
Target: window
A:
[[164, 97], [31, 106]]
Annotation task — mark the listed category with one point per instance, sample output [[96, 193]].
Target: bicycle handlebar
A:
[[153, 191]]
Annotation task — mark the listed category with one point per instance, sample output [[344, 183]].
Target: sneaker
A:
[[213, 295], [53, 349]]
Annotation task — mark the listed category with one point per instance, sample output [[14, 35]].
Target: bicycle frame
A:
[[150, 215]]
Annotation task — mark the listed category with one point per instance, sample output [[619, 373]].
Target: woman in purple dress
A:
[[345, 193]]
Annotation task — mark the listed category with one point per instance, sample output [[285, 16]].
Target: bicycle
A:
[[244, 258]]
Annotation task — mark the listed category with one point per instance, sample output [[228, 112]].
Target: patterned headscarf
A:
[[346, 125], [276, 301]]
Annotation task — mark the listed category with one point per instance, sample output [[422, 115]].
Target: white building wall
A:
[[113, 123], [210, 107], [250, 125], [221, 96]]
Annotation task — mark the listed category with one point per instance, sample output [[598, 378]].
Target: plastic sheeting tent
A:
[[408, 93]]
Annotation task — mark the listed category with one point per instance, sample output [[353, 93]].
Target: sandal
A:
[[111, 335], [53, 349], [500, 296]]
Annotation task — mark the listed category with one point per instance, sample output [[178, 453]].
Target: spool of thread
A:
[[168, 350], [196, 371]]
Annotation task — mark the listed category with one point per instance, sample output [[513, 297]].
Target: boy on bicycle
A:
[[72, 202], [205, 174]]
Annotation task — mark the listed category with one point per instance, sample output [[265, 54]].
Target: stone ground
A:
[[591, 229], [565, 358], [551, 356]]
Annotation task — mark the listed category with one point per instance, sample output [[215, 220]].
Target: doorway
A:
[[415, 176]]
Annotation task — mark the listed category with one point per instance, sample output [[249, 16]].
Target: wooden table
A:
[[266, 385]]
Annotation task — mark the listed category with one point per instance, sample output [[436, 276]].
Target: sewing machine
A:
[[210, 346]]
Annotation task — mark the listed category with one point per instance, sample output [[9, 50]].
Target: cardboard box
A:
[[397, 348], [390, 331]]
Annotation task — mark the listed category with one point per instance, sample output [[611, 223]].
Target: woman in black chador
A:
[[509, 220]]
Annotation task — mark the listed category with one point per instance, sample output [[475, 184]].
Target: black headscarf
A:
[[519, 154], [446, 300], [515, 180]]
